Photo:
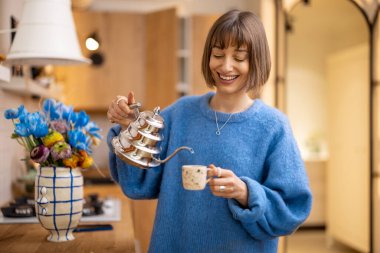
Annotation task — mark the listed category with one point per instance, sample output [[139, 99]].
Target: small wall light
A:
[[93, 45], [92, 42]]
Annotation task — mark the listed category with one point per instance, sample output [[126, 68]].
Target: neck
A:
[[230, 104]]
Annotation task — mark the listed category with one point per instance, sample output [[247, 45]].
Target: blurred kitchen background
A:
[[325, 77]]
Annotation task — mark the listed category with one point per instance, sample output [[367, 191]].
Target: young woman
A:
[[259, 189]]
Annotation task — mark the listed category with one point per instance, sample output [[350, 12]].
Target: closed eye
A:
[[239, 59]]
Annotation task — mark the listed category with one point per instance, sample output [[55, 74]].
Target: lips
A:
[[227, 78]]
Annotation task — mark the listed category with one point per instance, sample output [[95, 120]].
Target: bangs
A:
[[230, 34]]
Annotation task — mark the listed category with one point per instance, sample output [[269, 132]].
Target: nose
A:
[[227, 64]]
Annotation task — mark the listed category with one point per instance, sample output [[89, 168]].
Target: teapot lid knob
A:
[[155, 119], [156, 110]]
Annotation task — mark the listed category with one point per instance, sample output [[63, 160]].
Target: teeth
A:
[[228, 78]]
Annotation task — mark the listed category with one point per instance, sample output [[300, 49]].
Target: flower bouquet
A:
[[60, 140], [56, 135]]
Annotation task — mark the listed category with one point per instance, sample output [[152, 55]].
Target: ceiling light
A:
[[46, 35]]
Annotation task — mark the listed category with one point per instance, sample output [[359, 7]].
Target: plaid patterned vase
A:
[[59, 201]]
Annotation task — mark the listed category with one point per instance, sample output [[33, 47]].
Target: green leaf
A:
[[15, 136]]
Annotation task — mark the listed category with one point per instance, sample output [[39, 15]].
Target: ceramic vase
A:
[[58, 199]]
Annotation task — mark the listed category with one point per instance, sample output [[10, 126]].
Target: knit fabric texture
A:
[[256, 144]]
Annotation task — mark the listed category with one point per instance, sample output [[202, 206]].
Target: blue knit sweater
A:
[[257, 145]]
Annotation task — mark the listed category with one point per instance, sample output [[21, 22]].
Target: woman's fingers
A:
[[123, 105], [131, 98], [214, 171], [109, 117], [119, 111], [122, 108], [224, 191], [223, 182]]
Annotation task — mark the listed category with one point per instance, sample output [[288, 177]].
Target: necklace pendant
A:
[[218, 129]]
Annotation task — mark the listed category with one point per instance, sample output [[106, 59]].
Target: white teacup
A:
[[194, 177]]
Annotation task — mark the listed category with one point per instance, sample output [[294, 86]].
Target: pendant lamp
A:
[[46, 35]]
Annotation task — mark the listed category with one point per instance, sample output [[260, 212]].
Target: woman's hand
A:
[[224, 183], [119, 111]]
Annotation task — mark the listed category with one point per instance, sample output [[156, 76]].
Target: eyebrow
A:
[[236, 50]]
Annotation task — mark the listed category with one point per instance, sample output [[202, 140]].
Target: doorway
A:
[[328, 104]]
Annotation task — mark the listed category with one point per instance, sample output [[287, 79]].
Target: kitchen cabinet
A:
[[32, 237], [161, 66], [316, 171], [139, 53], [200, 25]]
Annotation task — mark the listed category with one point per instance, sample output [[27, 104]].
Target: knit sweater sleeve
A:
[[136, 183], [282, 201]]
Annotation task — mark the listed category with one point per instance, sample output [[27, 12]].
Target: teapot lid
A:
[[155, 120]]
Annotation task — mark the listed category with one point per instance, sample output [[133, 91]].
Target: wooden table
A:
[[31, 238]]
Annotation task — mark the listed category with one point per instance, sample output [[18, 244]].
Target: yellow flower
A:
[[52, 138], [95, 141], [87, 162], [71, 162], [83, 154], [84, 160]]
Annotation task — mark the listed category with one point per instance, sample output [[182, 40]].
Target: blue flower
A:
[[22, 111], [11, 114], [47, 105], [81, 119], [22, 130], [93, 129], [78, 140], [84, 119], [67, 111], [38, 126], [72, 117], [15, 113], [51, 109]]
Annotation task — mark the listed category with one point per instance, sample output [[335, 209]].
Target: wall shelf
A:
[[27, 87], [5, 74]]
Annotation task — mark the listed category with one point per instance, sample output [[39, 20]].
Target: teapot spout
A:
[[173, 154]]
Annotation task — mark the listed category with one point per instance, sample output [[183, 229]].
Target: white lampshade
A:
[[46, 35]]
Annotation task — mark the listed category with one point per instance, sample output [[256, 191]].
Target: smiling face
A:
[[236, 53], [230, 68]]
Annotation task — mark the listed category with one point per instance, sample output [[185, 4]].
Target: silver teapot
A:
[[137, 145]]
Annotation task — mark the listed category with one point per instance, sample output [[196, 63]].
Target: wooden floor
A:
[[313, 241]]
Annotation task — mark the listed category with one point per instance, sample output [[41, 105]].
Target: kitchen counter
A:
[[31, 238]]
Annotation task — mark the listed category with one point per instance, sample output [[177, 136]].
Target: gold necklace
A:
[[218, 130]]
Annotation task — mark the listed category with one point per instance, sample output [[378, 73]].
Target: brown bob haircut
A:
[[240, 28]]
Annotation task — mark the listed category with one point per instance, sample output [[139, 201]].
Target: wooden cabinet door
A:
[[200, 25], [121, 38], [139, 53], [161, 58]]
